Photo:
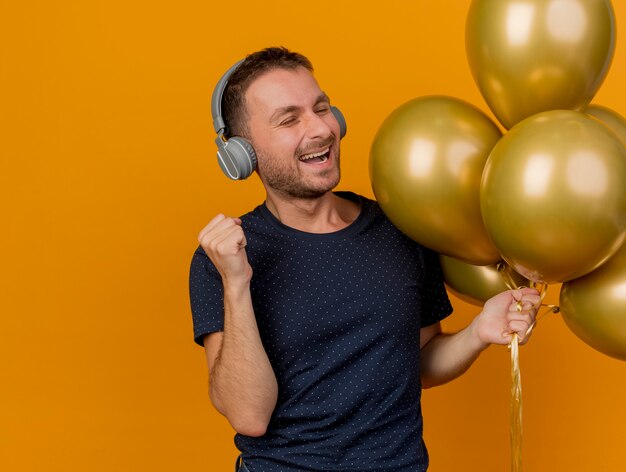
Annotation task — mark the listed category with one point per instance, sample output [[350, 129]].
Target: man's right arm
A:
[[242, 384]]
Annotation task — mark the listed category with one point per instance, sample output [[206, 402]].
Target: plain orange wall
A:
[[108, 172]]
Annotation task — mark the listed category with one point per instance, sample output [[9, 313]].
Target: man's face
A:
[[294, 133]]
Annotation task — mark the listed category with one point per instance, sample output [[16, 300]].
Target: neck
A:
[[325, 214]]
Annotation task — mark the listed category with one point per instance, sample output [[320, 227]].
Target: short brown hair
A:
[[254, 65]]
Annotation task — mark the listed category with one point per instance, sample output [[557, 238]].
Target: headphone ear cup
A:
[[341, 120], [242, 155]]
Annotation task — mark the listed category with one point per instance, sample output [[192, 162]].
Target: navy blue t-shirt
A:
[[339, 315]]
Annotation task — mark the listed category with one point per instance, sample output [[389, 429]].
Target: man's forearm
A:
[[447, 356], [242, 382]]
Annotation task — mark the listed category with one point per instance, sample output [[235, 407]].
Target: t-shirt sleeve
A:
[[206, 295], [435, 302]]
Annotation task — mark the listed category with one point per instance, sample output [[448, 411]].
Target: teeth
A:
[[316, 154]]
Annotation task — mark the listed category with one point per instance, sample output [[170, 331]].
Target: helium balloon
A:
[[610, 118], [426, 164], [594, 307], [529, 56], [477, 284], [552, 195]]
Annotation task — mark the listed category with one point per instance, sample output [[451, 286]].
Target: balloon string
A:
[[516, 376], [503, 270], [516, 407], [551, 309]]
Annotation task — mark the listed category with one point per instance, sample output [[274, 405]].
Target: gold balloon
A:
[[610, 118], [552, 195], [477, 284], [426, 164], [594, 307], [529, 56]]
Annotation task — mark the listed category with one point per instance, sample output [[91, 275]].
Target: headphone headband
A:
[[216, 99]]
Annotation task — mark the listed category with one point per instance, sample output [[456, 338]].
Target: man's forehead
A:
[[278, 88]]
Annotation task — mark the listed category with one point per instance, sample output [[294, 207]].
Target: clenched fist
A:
[[224, 242], [513, 311]]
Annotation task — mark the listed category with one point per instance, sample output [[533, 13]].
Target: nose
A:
[[319, 126]]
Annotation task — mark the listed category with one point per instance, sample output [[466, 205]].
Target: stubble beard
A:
[[290, 184]]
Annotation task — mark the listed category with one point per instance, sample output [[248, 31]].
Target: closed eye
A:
[[289, 121], [322, 110]]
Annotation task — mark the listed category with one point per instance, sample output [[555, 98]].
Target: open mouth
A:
[[316, 157]]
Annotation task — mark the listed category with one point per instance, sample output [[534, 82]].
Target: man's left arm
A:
[[444, 357]]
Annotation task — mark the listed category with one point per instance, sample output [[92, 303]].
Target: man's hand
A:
[[509, 312], [224, 242]]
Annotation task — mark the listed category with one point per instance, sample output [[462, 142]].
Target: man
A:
[[320, 320]]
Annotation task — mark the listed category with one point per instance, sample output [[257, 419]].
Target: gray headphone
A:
[[236, 155]]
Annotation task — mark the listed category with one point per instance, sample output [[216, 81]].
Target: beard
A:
[[291, 183]]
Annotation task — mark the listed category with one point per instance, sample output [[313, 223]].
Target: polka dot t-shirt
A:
[[339, 315]]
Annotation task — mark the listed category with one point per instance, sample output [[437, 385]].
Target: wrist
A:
[[474, 334], [235, 287]]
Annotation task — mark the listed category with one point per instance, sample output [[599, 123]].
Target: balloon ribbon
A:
[[516, 407], [516, 377]]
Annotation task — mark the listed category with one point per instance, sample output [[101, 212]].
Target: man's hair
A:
[[254, 65]]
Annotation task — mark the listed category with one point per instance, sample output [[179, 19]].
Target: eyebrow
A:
[[321, 98]]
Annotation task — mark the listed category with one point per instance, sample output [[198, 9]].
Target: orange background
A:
[[108, 171]]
